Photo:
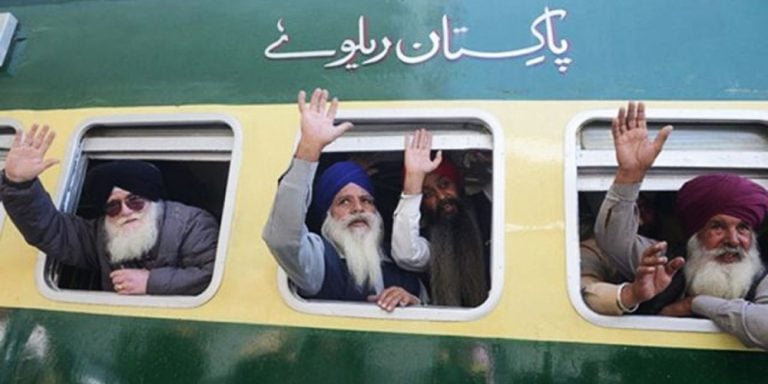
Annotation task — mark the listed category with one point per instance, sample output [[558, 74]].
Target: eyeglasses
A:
[[133, 202]]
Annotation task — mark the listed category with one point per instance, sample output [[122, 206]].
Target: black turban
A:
[[135, 176]]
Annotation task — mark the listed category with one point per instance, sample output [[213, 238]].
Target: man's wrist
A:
[[625, 176], [23, 184], [625, 299]]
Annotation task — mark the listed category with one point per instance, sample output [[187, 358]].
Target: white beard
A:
[[704, 275], [359, 246], [126, 244]]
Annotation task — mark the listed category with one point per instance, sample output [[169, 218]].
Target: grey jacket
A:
[[180, 263]]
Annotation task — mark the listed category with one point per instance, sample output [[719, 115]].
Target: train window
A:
[[471, 138], [198, 155], [7, 131], [703, 141]]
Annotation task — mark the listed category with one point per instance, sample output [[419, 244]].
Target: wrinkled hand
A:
[[680, 308], [130, 281], [317, 129], [393, 297], [635, 153], [417, 159], [655, 273], [26, 158]]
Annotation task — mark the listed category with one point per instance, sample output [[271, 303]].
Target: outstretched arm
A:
[[617, 222], [635, 152], [409, 250], [298, 251]]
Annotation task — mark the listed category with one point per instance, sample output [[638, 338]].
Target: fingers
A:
[[641, 116], [661, 138], [438, 158], [394, 297], [30, 136], [621, 121], [17, 138], [343, 127], [674, 265], [334, 107], [655, 250], [631, 115], [314, 101], [302, 101]]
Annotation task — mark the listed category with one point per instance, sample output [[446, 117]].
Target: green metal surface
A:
[[70, 54], [53, 347]]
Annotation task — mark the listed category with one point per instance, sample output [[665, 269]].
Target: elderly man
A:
[[141, 244], [724, 276], [453, 249], [346, 262]]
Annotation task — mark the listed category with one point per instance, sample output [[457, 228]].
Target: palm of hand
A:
[[634, 150], [24, 162], [319, 125], [651, 284], [418, 160]]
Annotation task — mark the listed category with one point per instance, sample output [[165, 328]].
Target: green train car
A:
[[207, 89]]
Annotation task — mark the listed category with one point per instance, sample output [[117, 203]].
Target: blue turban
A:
[[334, 179]]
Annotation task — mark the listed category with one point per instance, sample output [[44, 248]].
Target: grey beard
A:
[[706, 276], [361, 250], [130, 244], [457, 271]]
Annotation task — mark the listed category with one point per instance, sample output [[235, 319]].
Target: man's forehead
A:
[[722, 217], [352, 189], [118, 192]]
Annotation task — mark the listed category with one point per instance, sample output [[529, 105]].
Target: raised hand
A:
[[26, 159], [635, 153], [417, 159], [317, 129], [655, 273]]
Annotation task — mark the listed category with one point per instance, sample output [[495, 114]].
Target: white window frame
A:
[[6, 123], [355, 141], [194, 148], [688, 162]]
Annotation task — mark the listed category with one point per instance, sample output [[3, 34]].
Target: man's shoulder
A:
[[180, 211]]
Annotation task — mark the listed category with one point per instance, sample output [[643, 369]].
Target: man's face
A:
[[726, 231], [440, 195], [132, 208], [352, 199]]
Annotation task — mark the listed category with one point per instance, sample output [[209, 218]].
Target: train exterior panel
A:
[[533, 73]]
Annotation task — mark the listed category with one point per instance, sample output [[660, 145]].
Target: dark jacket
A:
[[180, 263]]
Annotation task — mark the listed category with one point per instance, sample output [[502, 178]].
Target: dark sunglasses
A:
[[133, 202]]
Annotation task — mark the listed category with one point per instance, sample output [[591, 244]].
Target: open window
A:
[[703, 141], [8, 130], [377, 140], [198, 155]]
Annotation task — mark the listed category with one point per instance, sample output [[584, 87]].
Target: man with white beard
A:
[[724, 278], [346, 262], [140, 244]]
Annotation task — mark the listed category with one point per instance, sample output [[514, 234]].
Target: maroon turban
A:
[[448, 170], [705, 196]]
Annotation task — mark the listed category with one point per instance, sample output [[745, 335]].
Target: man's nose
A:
[[732, 237], [357, 206]]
